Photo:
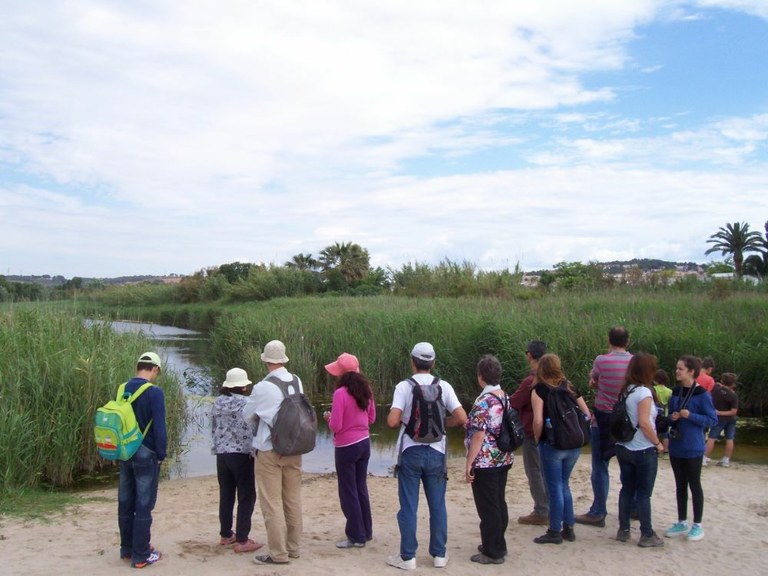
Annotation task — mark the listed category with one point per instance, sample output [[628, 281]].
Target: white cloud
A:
[[203, 134]]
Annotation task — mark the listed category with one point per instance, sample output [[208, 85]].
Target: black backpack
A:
[[512, 433], [427, 420], [570, 426], [620, 425]]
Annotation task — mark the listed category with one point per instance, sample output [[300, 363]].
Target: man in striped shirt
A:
[[607, 377]]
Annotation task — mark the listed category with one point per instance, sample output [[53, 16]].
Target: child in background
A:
[[727, 406], [663, 392]]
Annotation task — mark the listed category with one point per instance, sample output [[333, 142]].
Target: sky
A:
[[160, 137]]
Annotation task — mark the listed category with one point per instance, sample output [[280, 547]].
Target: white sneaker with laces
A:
[[441, 561], [724, 462], [706, 461], [397, 561]]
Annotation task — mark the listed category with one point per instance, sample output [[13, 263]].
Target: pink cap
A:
[[343, 364]]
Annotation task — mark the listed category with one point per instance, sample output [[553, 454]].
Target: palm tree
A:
[[735, 239], [757, 264], [351, 260], [303, 262]]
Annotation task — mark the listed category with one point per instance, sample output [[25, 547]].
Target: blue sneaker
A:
[[696, 533], [678, 529]]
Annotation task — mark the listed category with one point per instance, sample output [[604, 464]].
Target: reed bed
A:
[[382, 330], [54, 372]]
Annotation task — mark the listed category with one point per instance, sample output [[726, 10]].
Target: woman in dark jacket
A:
[[691, 412]]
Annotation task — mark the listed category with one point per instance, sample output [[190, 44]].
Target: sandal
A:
[[247, 546]]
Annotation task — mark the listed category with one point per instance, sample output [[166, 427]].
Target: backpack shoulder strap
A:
[[283, 385], [131, 398]]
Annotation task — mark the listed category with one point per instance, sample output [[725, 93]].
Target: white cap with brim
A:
[[150, 358], [423, 351]]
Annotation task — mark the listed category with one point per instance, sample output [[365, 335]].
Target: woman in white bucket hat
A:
[[233, 445]]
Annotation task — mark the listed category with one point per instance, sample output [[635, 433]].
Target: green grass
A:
[[40, 504]]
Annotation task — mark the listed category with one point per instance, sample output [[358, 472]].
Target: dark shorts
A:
[[728, 427]]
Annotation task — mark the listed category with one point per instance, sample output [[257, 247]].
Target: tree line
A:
[[344, 268]]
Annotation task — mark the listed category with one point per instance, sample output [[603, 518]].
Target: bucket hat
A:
[[236, 378], [274, 353]]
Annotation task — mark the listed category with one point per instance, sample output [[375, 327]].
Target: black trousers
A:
[[687, 473], [236, 479], [488, 489]]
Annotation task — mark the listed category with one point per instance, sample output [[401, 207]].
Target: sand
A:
[[84, 539]]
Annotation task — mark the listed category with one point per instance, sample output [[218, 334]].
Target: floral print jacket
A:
[[485, 416]]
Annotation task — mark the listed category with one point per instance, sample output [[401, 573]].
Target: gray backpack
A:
[[294, 429]]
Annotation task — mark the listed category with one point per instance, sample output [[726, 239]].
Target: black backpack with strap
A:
[[426, 423], [620, 426]]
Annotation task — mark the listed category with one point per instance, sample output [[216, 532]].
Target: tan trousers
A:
[[278, 479]]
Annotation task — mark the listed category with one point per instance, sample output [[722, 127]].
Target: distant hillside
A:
[[645, 264], [53, 281], [614, 267]]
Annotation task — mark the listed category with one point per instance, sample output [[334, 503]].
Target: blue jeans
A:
[[422, 464], [557, 466], [602, 451], [638, 475], [136, 497]]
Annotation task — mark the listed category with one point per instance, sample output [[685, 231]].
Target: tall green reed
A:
[[54, 372], [382, 330]]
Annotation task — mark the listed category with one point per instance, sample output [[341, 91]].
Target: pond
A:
[[185, 352]]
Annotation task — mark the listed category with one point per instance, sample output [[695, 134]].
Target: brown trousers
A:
[[278, 479]]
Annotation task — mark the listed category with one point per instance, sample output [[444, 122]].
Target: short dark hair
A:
[[618, 336], [422, 364], [661, 377], [148, 366], [707, 362], [537, 348], [489, 368], [728, 379]]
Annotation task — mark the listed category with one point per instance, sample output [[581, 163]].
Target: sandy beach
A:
[[84, 539]]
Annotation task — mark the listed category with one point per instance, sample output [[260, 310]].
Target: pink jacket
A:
[[348, 423]]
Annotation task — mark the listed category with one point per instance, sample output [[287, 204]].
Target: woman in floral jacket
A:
[[487, 466]]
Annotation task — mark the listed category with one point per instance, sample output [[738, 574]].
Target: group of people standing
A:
[[243, 415]]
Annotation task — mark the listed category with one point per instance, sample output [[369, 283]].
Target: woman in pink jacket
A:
[[352, 412]]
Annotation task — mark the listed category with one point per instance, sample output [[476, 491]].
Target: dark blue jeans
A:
[[422, 464], [638, 475], [236, 478], [352, 472], [557, 466], [136, 497], [603, 449]]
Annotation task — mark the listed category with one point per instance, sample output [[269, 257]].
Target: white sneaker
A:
[[725, 463], [441, 561], [706, 461], [397, 561]]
